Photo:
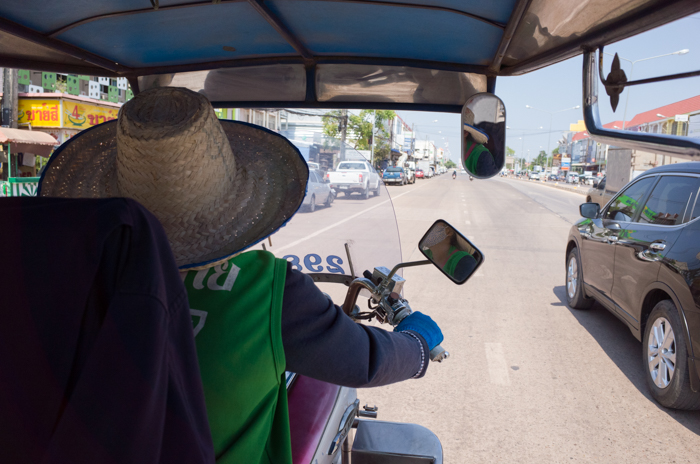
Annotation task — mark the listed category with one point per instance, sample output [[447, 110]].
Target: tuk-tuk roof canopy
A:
[[321, 45]]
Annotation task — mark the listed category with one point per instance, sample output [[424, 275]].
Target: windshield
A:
[[394, 170], [351, 231], [342, 166]]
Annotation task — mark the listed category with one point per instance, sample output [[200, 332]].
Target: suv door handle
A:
[[657, 246]]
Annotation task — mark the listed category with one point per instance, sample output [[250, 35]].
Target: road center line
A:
[[326, 229], [498, 369]]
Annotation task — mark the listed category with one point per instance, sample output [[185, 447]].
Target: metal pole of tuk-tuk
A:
[[372, 147]]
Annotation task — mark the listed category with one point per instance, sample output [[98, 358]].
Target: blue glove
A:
[[423, 325]]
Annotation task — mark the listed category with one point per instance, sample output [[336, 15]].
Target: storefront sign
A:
[[39, 113], [83, 115], [565, 163]]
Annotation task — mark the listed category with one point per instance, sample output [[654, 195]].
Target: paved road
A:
[[529, 380]]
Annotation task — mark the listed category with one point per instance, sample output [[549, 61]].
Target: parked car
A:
[[355, 176], [420, 174], [572, 178], [553, 177], [318, 191], [534, 176], [394, 175], [639, 257]]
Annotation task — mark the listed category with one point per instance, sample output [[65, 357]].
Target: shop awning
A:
[[26, 141]]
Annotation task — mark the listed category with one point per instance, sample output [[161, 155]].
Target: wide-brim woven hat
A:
[[217, 186], [477, 134]]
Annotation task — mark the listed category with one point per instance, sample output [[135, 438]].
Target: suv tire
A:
[[666, 369], [378, 189], [575, 295], [312, 204]]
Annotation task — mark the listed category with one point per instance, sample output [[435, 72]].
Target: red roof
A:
[[669, 111], [614, 125], [580, 136]]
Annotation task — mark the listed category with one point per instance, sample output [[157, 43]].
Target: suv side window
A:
[[624, 207], [671, 200], [312, 177]]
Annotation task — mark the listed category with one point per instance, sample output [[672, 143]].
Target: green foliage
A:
[[510, 151], [449, 164], [359, 130], [555, 151]]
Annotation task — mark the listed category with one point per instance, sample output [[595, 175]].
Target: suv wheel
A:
[[365, 194], [312, 204], [665, 359], [574, 282], [378, 190]]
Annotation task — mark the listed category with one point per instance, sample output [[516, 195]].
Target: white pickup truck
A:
[[355, 176]]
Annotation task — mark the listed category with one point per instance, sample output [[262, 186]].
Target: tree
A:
[[449, 164], [359, 133], [555, 151], [360, 128], [510, 151]]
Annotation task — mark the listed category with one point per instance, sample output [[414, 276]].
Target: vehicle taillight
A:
[[360, 177]]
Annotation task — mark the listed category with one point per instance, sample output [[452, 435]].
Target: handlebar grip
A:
[[439, 354]]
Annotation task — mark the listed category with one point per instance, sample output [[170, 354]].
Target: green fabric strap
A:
[[236, 311]]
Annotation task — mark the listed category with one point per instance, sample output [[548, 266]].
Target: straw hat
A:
[[217, 187], [477, 134]]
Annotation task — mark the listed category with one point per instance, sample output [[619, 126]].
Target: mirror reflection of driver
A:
[[443, 248], [476, 158]]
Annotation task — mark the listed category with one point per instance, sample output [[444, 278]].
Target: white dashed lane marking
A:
[[498, 369]]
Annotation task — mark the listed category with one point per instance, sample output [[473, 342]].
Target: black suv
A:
[[640, 258]]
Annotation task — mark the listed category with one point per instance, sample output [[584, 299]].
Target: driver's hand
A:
[[424, 326]]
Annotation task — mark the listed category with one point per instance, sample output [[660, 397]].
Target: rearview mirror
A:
[[589, 210], [483, 135], [450, 251]]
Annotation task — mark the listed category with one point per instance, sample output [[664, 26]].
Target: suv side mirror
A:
[[589, 210]]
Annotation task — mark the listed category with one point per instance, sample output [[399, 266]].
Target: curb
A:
[[580, 191]]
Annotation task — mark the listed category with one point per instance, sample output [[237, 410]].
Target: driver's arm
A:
[[322, 342]]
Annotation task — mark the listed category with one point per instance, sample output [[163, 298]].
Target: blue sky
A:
[[559, 87]]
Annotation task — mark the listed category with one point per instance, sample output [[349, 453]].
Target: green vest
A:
[[470, 157], [451, 264], [236, 311]]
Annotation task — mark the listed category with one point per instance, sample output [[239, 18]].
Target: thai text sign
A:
[[83, 115], [39, 113]]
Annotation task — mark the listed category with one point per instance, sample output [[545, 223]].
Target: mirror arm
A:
[[684, 147], [354, 291], [409, 264]]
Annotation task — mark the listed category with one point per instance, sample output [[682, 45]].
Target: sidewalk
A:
[[576, 188]]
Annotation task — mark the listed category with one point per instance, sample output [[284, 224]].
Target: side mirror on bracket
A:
[[589, 210]]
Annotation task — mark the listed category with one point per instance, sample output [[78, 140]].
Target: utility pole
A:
[[9, 111], [343, 132], [9, 98]]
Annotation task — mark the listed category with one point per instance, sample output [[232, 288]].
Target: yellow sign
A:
[[39, 113], [83, 115], [578, 127]]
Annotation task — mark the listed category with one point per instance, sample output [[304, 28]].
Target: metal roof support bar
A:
[[287, 59], [515, 18], [275, 22], [655, 143], [33, 36]]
